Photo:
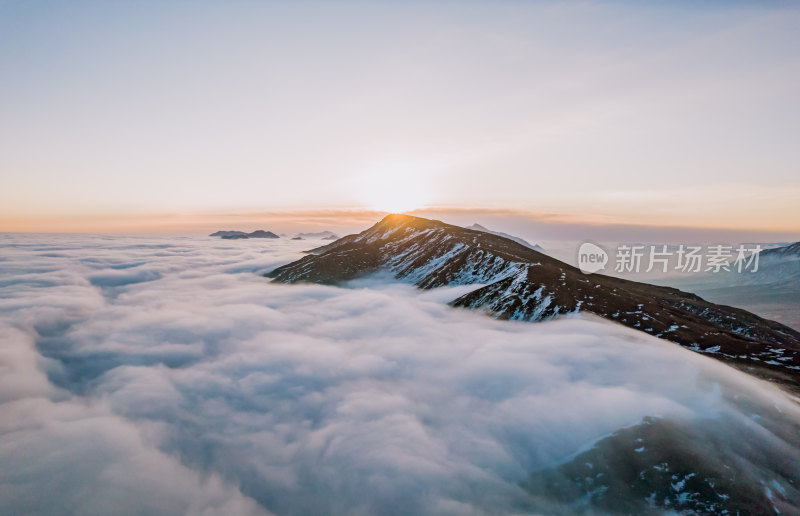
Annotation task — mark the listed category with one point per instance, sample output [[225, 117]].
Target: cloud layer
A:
[[166, 375]]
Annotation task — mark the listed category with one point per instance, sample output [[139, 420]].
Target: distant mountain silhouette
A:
[[235, 235], [478, 227], [323, 235]]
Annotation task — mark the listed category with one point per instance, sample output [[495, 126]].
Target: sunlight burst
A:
[[395, 189]]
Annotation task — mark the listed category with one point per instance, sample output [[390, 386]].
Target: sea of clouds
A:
[[165, 375]]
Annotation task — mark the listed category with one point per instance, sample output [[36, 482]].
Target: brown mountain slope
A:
[[523, 284]]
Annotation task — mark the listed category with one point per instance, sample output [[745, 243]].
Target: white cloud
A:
[[211, 388]]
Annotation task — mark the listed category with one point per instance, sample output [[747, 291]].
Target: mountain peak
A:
[[395, 220]]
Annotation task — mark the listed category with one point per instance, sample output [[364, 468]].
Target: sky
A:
[[181, 116], [165, 375]]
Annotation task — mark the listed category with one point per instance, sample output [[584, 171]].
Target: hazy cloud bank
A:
[[165, 375]]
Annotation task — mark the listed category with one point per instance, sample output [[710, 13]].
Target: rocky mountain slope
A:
[[520, 283], [679, 467]]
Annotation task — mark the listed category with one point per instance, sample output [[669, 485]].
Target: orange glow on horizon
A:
[[357, 219]]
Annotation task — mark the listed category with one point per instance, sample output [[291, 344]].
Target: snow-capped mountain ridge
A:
[[523, 284], [789, 252]]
